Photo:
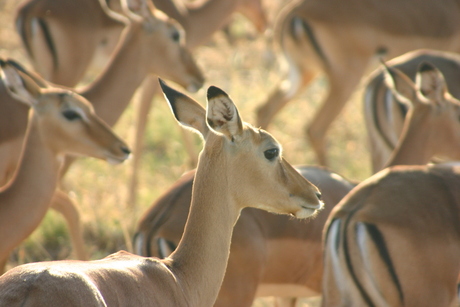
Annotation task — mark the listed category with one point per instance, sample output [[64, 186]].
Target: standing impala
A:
[[394, 240], [260, 240], [60, 122], [341, 38], [385, 114], [149, 45], [239, 166]]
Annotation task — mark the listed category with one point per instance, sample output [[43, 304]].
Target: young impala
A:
[[239, 166]]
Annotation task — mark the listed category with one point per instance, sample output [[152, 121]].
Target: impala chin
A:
[[309, 211], [116, 160]]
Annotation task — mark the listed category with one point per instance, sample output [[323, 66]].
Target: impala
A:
[[385, 114], [341, 39], [149, 45], [239, 166], [60, 122], [62, 37], [254, 264], [270, 255], [394, 240], [200, 21]]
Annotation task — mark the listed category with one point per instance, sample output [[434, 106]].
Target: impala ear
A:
[[431, 82], [19, 85], [222, 115], [187, 111], [35, 77], [400, 84]]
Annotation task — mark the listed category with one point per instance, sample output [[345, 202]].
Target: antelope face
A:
[[263, 178], [170, 58], [70, 126], [248, 162]]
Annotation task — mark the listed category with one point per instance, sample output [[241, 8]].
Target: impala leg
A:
[[62, 203], [342, 83], [147, 92], [282, 94]]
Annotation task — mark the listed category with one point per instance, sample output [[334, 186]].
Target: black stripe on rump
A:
[[346, 250], [379, 241]]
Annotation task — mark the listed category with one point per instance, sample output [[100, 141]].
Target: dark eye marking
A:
[[271, 154], [71, 115]]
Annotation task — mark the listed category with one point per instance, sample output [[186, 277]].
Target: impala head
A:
[[164, 44], [67, 121], [431, 108], [250, 160]]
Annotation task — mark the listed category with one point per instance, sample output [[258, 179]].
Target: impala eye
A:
[[175, 36], [71, 115], [271, 154]]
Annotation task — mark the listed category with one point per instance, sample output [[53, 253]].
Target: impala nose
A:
[[318, 194], [125, 150]]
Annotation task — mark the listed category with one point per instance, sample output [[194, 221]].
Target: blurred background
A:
[[247, 67]]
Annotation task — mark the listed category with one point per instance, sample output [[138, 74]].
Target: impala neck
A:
[[201, 258], [415, 145], [111, 93], [25, 200], [205, 18]]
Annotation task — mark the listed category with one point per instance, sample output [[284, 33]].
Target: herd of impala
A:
[[391, 240]]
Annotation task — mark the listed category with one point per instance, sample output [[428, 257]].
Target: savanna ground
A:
[[248, 70]]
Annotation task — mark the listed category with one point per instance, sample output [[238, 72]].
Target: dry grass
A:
[[246, 70]]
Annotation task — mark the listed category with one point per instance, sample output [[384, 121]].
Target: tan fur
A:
[[394, 240], [341, 39], [416, 209], [232, 173], [385, 115], [135, 58], [26, 198], [268, 252]]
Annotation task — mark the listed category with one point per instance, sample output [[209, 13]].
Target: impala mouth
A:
[[308, 211], [113, 160]]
